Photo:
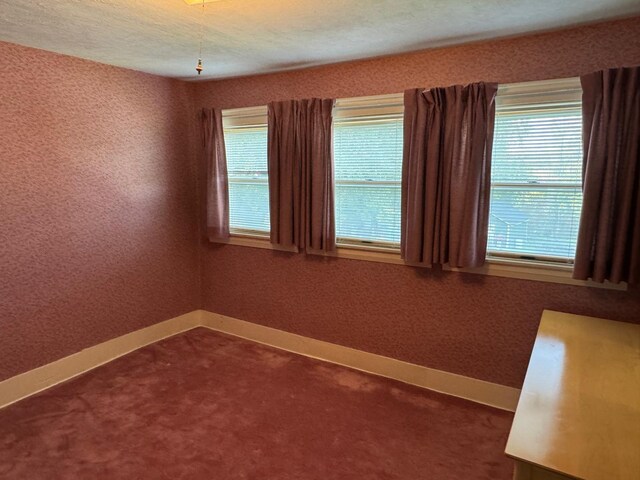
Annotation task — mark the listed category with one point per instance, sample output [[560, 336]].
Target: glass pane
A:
[[367, 153], [246, 153], [246, 150], [368, 212], [538, 147], [249, 205], [535, 221], [536, 177]]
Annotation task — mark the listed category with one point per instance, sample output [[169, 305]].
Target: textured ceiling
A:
[[255, 36]]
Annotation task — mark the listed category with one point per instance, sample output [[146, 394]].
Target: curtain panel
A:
[[608, 245], [448, 136], [301, 185], [217, 193]]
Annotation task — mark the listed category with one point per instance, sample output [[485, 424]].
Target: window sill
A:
[[255, 241], [536, 271], [499, 267], [368, 254]]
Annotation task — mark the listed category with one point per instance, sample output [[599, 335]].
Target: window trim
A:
[[536, 270], [555, 92], [255, 241], [368, 110], [240, 119], [250, 233], [374, 246], [514, 98], [246, 117]]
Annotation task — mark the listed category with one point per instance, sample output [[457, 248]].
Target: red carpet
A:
[[203, 405]]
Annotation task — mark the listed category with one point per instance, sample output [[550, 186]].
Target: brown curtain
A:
[[448, 135], [217, 194], [609, 235], [301, 187]]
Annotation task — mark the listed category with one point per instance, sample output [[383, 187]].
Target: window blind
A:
[[536, 173], [367, 146], [245, 136]]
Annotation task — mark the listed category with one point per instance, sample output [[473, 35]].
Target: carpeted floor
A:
[[202, 405]]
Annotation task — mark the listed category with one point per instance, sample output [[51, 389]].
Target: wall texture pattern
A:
[[99, 215], [98, 226], [473, 325]]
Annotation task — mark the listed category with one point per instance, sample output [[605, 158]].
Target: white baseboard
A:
[[34, 381], [41, 378], [479, 391]]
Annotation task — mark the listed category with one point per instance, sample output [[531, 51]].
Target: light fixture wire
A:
[[199, 66]]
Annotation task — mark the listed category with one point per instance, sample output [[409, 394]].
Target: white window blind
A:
[[536, 171], [367, 143], [245, 136]]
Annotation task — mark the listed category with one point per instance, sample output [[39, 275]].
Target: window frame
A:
[[246, 118], [368, 109], [521, 97], [539, 270]]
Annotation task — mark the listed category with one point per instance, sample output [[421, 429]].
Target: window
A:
[[536, 172], [367, 143], [245, 137]]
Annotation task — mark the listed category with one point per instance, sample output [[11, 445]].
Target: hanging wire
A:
[[199, 66]]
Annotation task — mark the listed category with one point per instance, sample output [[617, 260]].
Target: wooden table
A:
[[579, 411]]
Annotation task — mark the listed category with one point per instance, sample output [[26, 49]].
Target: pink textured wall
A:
[[472, 325], [98, 215], [98, 225]]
